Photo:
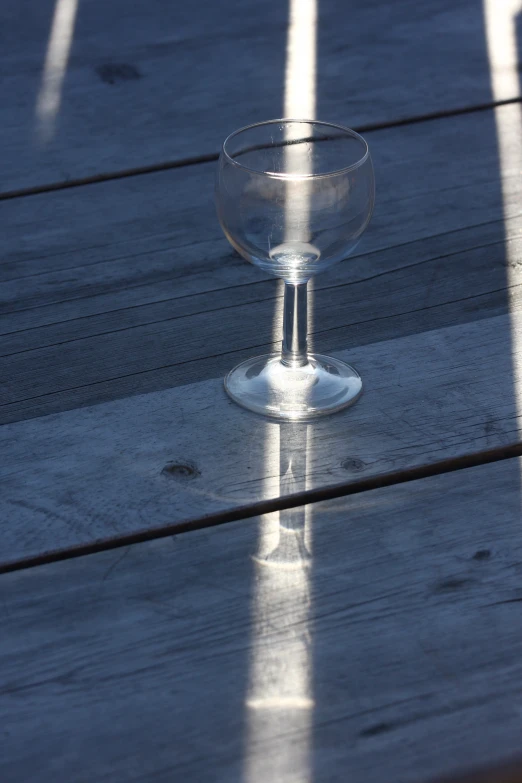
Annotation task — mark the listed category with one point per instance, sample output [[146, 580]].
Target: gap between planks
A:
[[277, 296], [248, 511], [213, 156]]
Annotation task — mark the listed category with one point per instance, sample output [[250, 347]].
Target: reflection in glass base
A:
[[265, 385]]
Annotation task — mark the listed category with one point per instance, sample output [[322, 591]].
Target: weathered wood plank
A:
[[323, 643], [162, 81], [169, 343], [507, 772], [140, 283], [99, 472]]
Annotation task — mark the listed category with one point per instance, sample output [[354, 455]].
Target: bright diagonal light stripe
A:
[[301, 56], [299, 102], [501, 33], [279, 700], [58, 49]]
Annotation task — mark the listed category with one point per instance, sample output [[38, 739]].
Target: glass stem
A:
[[294, 352]]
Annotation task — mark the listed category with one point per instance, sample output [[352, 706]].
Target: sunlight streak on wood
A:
[[299, 103], [58, 50], [501, 34], [280, 700], [301, 56]]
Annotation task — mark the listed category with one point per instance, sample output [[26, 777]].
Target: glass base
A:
[[265, 385]]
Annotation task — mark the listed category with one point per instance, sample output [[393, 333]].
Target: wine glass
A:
[[293, 197]]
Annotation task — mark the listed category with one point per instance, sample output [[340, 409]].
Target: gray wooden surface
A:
[[129, 287], [156, 81], [370, 635], [379, 632], [181, 454], [506, 772]]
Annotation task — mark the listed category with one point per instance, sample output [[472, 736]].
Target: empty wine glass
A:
[[293, 197]]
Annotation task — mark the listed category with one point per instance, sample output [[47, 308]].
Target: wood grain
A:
[[163, 81], [129, 287], [163, 458], [508, 772], [324, 643]]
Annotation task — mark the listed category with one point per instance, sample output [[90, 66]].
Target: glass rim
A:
[[279, 175]]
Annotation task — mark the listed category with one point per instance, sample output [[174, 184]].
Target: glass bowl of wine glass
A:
[[294, 197]]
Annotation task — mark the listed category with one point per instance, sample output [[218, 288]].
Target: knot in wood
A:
[[181, 470]]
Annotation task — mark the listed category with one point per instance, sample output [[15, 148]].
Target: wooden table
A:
[[192, 592]]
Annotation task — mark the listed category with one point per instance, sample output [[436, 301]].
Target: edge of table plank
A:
[[153, 461], [394, 610]]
